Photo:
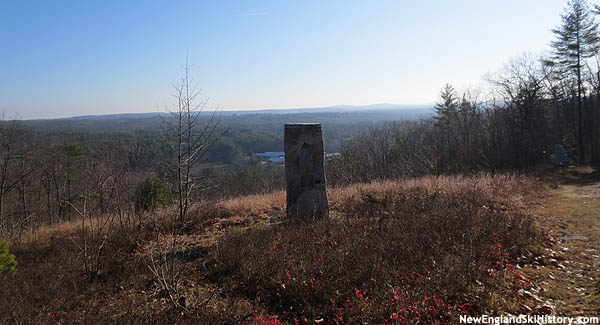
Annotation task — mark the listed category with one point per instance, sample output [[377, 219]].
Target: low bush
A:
[[410, 251], [8, 263], [152, 194], [407, 254]]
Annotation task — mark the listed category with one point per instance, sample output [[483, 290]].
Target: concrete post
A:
[[304, 172]]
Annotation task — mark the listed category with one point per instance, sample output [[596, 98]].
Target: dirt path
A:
[[568, 274]]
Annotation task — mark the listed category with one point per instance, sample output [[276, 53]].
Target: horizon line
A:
[[417, 106]]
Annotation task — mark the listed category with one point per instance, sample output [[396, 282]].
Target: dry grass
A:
[[254, 204], [410, 239], [414, 251], [505, 188], [510, 189]]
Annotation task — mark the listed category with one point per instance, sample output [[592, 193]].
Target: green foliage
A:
[[151, 194], [8, 263], [73, 150]]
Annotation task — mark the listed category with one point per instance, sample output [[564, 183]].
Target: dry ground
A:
[[568, 273]]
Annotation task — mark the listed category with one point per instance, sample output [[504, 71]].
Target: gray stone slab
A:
[[306, 191]]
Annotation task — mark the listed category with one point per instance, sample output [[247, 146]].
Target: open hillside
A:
[[481, 207], [426, 249]]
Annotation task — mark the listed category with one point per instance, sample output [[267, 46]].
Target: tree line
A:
[[514, 122]]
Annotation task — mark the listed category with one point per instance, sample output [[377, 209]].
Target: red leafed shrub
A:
[[265, 320]]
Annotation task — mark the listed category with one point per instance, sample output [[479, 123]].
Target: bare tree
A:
[[521, 86], [92, 237], [194, 134], [11, 160], [193, 131]]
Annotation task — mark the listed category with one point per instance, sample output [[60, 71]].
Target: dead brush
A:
[[414, 251], [254, 204], [408, 251]]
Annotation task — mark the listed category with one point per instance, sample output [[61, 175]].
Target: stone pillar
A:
[[304, 173]]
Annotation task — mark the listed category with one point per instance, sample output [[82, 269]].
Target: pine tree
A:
[[576, 40], [446, 108], [446, 118]]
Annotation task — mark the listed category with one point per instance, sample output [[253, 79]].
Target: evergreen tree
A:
[[446, 108], [576, 40], [446, 114], [151, 194], [8, 263]]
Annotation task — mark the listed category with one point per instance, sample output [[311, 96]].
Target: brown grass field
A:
[[397, 252]]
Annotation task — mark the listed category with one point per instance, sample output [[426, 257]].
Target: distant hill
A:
[[329, 109], [248, 132]]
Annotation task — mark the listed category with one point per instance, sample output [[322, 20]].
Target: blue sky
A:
[[65, 58]]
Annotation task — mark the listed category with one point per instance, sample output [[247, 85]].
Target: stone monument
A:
[[304, 174]]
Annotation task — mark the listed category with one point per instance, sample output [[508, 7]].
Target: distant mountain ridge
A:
[[327, 109]]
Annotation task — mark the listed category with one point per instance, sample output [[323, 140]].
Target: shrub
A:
[[410, 254], [8, 263], [151, 194]]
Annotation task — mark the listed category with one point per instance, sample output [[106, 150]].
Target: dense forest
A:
[[246, 133]]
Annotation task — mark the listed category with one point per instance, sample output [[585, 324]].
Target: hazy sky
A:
[[64, 58]]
